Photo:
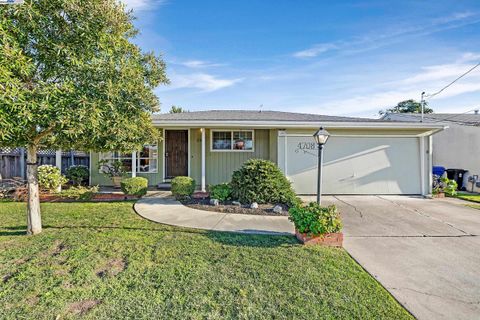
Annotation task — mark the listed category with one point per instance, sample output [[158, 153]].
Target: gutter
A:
[[299, 124]]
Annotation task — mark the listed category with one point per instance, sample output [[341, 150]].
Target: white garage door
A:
[[353, 165]]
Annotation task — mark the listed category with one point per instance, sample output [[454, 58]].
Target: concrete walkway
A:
[[163, 208]]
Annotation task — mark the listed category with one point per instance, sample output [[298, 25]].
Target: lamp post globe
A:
[[321, 137]]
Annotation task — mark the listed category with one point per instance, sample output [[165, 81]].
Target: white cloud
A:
[[138, 5], [200, 64], [369, 42], [316, 50], [430, 79], [203, 81]]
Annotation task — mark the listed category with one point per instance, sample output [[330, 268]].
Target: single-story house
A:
[[362, 156], [458, 147]]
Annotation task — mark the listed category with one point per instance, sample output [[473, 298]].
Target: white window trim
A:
[[100, 157], [231, 137]]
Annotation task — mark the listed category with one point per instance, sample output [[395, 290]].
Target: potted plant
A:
[[443, 186], [315, 224], [115, 170]]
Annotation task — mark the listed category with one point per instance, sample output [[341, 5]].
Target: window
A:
[[241, 140], [147, 159]]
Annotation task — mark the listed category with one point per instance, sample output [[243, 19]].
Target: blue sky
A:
[[328, 57]]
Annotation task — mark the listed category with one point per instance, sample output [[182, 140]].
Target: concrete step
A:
[[164, 186]]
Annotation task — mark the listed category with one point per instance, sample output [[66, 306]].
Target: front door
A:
[[176, 153]]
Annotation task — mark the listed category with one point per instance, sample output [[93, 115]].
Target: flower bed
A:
[[49, 197], [327, 239]]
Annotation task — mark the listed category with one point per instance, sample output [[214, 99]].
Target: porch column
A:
[[134, 164], [58, 164], [203, 159], [22, 163], [58, 159]]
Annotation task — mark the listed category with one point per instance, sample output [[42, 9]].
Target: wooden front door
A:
[[176, 153]]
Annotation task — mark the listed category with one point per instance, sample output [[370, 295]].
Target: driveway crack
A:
[[350, 205], [424, 215]]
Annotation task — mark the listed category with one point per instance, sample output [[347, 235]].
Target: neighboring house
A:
[[458, 147], [362, 156]]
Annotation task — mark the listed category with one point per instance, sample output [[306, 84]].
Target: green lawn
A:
[[468, 196], [102, 261]]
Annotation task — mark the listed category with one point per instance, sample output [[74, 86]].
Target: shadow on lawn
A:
[[251, 240], [226, 238]]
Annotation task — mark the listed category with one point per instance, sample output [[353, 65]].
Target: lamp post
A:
[[321, 137]]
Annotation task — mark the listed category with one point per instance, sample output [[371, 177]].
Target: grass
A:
[[468, 196], [102, 261]]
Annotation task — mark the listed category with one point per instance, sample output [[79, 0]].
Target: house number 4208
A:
[[306, 146]]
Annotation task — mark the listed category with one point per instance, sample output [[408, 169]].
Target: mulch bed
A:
[[228, 207]]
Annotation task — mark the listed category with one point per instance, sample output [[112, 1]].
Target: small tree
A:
[[71, 78], [175, 109], [408, 106]]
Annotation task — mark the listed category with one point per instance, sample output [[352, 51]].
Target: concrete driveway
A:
[[425, 252]]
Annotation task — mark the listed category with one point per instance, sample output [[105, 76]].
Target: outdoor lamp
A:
[[321, 137]]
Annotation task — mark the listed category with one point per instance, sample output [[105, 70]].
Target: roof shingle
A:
[[253, 115]]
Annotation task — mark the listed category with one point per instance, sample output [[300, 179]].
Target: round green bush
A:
[[136, 186], [50, 177], [314, 219], [222, 191], [77, 174], [262, 181], [182, 187]]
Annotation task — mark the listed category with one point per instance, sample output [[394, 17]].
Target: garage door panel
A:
[[355, 165]]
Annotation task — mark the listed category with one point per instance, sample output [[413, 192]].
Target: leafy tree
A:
[[408, 106], [71, 78], [175, 109]]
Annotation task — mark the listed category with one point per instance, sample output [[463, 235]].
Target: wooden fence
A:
[[13, 161]]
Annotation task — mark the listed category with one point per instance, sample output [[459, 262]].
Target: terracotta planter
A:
[[116, 181], [439, 195], [327, 239]]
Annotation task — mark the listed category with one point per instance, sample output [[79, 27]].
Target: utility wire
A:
[[448, 85]]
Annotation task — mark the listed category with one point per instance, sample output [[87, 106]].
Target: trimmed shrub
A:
[[182, 187], [50, 177], [262, 181], [77, 174], [445, 185], [314, 219], [136, 186], [222, 191]]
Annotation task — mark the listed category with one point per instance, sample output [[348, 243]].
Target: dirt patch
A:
[[82, 307], [33, 300], [228, 207], [58, 248], [7, 277], [112, 268]]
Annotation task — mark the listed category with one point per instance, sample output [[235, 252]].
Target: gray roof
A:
[[254, 115], [470, 119]]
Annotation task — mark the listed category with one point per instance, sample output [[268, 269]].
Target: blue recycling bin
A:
[[438, 170]]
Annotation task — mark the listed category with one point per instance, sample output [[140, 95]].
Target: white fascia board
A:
[[299, 124]]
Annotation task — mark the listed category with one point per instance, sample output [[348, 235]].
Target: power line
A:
[[448, 85]]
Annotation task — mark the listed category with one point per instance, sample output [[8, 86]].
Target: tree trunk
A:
[[34, 219]]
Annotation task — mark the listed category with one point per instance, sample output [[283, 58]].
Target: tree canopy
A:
[[70, 77], [408, 106], [175, 109]]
